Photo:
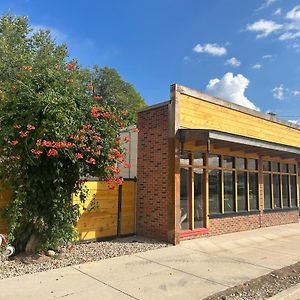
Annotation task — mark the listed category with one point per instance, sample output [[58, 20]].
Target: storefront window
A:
[[276, 191], [198, 197], [267, 191], [285, 191], [229, 197], [293, 191], [184, 198], [242, 191], [253, 190], [214, 191]]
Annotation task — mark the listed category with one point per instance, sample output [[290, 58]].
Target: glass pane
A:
[[253, 191], [229, 191], [214, 191], [285, 190], [275, 166], [276, 190], [198, 159], [284, 168], [198, 198], [266, 166], [267, 191], [242, 191], [185, 158], [294, 191], [184, 198], [213, 160], [228, 162], [292, 169], [240, 163], [251, 164]]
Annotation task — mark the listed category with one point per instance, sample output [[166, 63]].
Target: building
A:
[[207, 166]]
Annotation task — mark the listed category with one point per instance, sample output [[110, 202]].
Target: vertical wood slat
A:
[[297, 181], [290, 191], [206, 191], [280, 194], [272, 190], [222, 185]]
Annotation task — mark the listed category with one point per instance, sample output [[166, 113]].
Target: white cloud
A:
[[267, 56], [55, 33], [279, 92], [289, 36], [213, 49], [277, 12], [296, 122], [295, 93], [263, 27], [266, 4], [257, 66], [231, 88], [294, 14], [233, 62]]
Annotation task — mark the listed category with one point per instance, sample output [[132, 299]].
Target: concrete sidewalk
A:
[[193, 270]]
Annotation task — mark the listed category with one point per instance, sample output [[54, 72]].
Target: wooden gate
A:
[[108, 212]]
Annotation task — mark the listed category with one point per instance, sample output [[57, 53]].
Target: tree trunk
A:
[[31, 244]]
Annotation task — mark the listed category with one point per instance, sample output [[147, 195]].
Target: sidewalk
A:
[[193, 270]]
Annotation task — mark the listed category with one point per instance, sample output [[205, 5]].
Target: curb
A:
[[292, 293]]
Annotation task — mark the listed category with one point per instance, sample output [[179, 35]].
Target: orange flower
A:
[[70, 66], [13, 88], [23, 134], [79, 155], [14, 142], [91, 161], [52, 152]]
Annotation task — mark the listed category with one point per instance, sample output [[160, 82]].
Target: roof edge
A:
[[215, 100], [153, 106]]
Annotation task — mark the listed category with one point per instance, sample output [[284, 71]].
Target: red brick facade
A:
[[152, 173], [237, 223]]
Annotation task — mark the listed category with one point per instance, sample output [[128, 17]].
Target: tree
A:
[[115, 91], [54, 131]]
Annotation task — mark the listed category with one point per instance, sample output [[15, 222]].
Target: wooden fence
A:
[[108, 213]]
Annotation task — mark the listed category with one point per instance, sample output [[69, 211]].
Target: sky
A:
[[245, 51]]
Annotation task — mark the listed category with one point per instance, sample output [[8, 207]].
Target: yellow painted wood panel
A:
[[128, 207], [101, 215], [100, 218], [200, 114]]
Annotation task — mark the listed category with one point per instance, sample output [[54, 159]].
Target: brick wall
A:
[[279, 218], [152, 174], [232, 224]]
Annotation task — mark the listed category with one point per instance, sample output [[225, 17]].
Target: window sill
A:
[[233, 214], [195, 232], [276, 210]]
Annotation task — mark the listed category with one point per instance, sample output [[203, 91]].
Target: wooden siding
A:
[[100, 217], [128, 208], [196, 113]]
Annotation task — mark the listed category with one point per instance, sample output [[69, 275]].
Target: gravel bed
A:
[[262, 287], [76, 254]]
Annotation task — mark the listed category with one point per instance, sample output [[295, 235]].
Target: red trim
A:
[[187, 233]]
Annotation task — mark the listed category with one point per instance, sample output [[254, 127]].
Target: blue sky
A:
[[247, 51]]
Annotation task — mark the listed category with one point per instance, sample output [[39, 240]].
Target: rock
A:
[[50, 253]]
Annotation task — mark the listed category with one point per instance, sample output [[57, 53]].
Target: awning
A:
[[237, 143]]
